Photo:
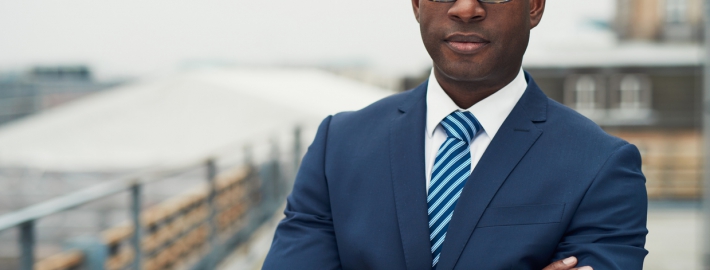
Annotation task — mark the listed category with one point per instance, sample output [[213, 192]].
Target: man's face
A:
[[477, 42]]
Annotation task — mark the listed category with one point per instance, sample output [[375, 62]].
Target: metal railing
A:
[[229, 205]]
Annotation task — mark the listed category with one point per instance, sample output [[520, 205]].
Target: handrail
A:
[[219, 197], [89, 194]]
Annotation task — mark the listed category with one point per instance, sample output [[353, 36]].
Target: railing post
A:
[[137, 226], [706, 138], [296, 150], [211, 167], [274, 174], [254, 175], [248, 156], [27, 244]]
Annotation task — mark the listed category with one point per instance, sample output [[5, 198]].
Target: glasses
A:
[[482, 1]]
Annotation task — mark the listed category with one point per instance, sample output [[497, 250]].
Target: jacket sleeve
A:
[[608, 230], [305, 238]]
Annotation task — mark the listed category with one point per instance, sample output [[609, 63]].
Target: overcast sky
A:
[[144, 37]]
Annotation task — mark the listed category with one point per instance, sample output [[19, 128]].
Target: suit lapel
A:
[[511, 143], [408, 178]]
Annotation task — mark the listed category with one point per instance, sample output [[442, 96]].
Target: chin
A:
[[468, 72]]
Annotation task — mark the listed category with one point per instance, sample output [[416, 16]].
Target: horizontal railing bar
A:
[[89, 194], [63, 203]]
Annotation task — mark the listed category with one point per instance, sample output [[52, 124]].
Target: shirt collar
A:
[[490, 112]]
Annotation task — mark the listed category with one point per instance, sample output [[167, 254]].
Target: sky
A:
[[139, 38]]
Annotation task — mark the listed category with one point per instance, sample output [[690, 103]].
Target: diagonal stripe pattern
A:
[[452, 167]]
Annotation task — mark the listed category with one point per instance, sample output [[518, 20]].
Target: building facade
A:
[[43, 87], [659, 20]]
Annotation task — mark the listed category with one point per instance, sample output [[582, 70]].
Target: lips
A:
[[465, 43]]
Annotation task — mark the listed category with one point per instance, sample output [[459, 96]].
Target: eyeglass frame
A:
[[482, 1]]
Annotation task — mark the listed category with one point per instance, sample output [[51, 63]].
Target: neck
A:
[[467, 93]]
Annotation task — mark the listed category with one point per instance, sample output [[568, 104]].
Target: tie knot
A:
[[461, 125]]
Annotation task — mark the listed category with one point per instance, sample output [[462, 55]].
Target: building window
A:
[[585, 93], [630, 97], [676, 11], [630, 93]]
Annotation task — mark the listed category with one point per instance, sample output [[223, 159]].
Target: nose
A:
[[467, 11]]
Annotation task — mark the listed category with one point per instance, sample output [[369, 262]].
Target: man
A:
[[474, 169]]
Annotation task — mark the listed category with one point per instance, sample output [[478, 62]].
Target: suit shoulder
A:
[[564, 120], [373, 112]]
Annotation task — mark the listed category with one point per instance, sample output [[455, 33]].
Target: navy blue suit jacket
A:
[[551, 184]]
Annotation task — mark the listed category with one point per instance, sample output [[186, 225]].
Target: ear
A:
[[537, 8], [415, 6]]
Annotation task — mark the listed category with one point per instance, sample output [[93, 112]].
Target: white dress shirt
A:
[[490, 112]]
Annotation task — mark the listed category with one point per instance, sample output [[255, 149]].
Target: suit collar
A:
[[534, 101], [490, 112], [413, 97]]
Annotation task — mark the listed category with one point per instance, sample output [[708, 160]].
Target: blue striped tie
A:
[[452, 167]]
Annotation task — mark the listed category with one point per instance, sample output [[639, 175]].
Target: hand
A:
[[566, 264]]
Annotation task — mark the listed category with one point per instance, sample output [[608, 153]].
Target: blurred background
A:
[[189, 118]]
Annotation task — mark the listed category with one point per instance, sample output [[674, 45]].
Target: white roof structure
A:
[[621, 55], [179, 117], [578, 33]]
